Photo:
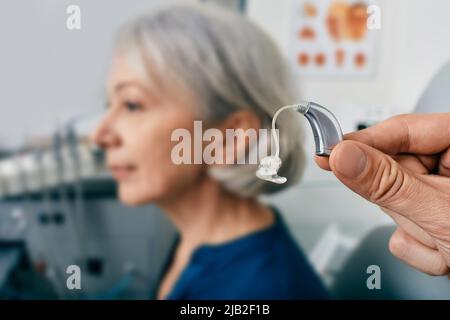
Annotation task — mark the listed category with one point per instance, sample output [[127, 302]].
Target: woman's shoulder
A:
[[284, 272], [277, 269], [285, 268], [267, 264]]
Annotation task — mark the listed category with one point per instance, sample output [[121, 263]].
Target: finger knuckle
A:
[[399, 117], [400, 122], [443, 243], [440, 268], [388, 182]]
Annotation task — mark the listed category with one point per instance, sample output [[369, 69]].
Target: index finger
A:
[[423, 134]]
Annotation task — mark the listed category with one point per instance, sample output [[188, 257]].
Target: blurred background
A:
[[58, 205]]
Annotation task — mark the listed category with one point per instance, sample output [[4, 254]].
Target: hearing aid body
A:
[[326, 129]]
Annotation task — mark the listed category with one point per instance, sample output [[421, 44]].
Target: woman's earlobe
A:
[[243, 119]]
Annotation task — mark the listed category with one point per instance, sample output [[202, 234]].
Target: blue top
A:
[[265, 264]]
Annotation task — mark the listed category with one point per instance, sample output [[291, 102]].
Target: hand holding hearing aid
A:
[[403, 166]]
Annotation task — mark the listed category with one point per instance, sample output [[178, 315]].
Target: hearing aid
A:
[[326, 131]]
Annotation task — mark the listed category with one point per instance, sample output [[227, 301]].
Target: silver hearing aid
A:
[[327, 133]]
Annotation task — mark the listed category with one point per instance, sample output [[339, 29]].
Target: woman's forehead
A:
[[122, 71], [123, 74]]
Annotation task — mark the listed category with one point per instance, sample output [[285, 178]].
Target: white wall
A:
[[49, 74], [423, 46], [413, 45]]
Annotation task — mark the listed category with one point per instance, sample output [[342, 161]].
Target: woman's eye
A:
[[133, 106]]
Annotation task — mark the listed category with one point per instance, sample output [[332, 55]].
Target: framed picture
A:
[[332, 38]]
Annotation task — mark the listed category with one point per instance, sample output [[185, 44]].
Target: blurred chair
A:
[[18, 278], [10, 256], [398, 280]]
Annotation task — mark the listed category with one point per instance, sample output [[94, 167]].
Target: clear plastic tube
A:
[[274, 132]]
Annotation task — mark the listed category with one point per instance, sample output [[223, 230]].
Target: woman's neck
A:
[[206, 213]]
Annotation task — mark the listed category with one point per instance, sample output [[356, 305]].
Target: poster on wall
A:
[[331, 38]]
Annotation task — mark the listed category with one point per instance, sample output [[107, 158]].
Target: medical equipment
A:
[[58, 200], [327, 133]]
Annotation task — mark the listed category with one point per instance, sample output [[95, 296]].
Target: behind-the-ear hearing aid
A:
[[327, 133]]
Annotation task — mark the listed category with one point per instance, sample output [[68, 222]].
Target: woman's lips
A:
[[122, 172]]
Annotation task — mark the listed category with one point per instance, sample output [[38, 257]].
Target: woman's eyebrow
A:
[[125, 84]]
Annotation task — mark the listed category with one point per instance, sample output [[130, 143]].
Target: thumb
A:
[[383, 181]]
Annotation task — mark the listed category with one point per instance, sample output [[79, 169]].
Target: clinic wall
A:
[[413, 44], [50, 74], [423, 46]]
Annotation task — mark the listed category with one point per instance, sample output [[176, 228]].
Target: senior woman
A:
[[171, 67]]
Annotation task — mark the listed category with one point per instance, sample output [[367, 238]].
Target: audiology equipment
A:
[[326, 130]]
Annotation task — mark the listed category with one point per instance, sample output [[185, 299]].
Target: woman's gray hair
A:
[[228, 64]]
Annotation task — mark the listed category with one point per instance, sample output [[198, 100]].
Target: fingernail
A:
[[350, 160]]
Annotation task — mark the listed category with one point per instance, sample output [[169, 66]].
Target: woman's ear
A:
[[242, 119], [240, 131]]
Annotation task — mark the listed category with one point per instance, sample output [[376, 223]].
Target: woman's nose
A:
[[104, 135]]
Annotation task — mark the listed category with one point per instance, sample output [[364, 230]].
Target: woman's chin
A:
[[134, 198]]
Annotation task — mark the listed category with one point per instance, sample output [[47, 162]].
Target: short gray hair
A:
[[228, 64]]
